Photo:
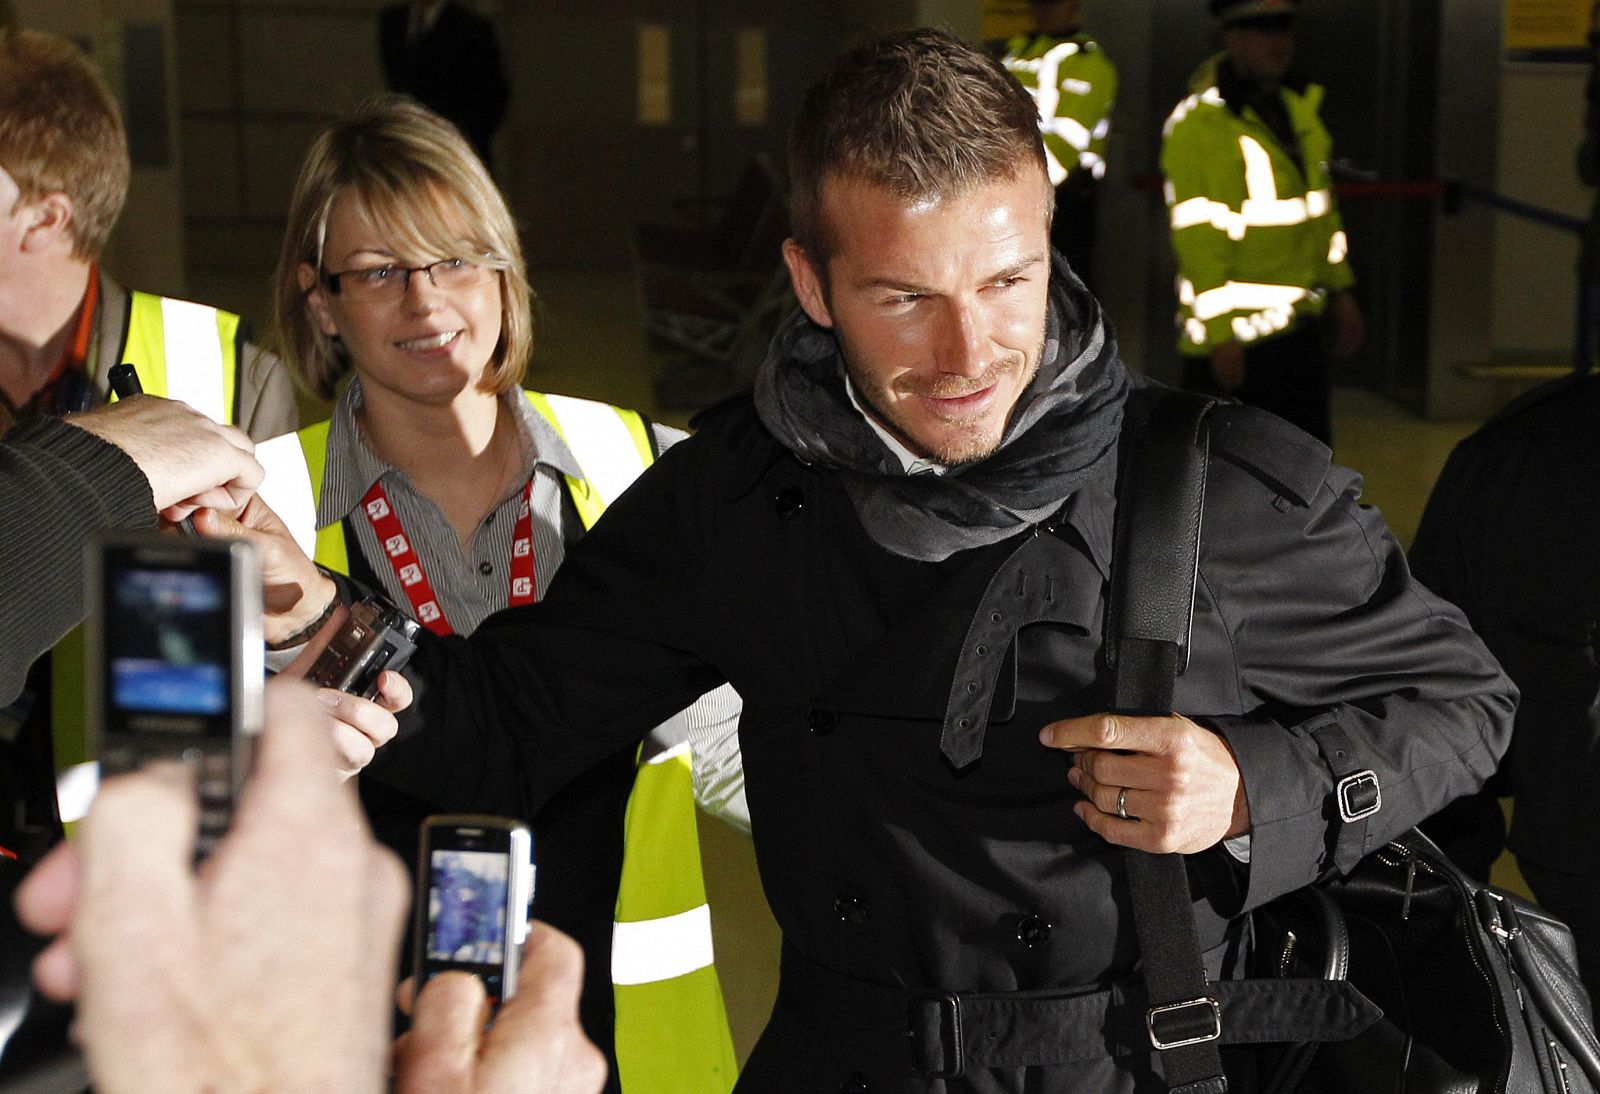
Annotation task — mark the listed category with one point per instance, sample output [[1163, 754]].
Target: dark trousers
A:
[[1287, 375]]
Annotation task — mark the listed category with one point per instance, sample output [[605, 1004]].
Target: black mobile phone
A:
[[375, 635], [125, 384], [474, 887], [175, 661]]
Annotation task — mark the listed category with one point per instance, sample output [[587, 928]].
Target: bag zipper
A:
[[1414, 862]]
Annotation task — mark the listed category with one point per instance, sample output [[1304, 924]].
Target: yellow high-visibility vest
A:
[[672, 1032], [182, 351], [1074, 85], [1259, 240]]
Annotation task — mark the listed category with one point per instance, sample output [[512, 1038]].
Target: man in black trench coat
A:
[[939, 801]]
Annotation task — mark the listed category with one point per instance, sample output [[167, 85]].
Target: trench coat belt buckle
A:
[[941, 1011], [1178, 1025], [1175, 1025], [948, 1032]]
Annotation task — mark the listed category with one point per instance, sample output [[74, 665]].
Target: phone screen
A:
[[467, 907], [168, 638], [175, 661], [478, 873], [168, 652]]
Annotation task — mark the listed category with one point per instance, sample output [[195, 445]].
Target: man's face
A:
[[939, 305], [1260, 53]]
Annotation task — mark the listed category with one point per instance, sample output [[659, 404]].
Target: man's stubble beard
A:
[[964, 447]]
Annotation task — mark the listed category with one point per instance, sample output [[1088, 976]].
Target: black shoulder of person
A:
[[722, 410], [1284, 457], [1547, 396]]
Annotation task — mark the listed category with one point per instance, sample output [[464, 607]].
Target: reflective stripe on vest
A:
[[1262, 208], [671, 1023], [1047, 96], [611, 445], [182, 351], [1267, 309]]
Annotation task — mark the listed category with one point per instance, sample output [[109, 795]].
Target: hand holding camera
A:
[[267, 970]]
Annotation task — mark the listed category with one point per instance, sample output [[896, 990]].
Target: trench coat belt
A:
[[943, 1033]]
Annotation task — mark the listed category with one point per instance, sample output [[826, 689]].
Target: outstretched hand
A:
[[188, 459], [295, 592]]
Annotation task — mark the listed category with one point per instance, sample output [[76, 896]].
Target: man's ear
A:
[[808, 283], [49, 223], [311, 285]]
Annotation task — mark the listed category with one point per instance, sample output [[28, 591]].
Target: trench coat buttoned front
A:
[[732, 560]]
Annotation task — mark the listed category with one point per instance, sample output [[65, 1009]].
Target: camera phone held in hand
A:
[[474, 889], [175, 661], [374, 636]]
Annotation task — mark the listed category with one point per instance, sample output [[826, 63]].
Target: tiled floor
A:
[[589, 344]]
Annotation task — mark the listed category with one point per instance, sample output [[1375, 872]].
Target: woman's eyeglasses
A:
[[383, 282]]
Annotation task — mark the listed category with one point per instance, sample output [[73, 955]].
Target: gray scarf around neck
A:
[[1064, 425]]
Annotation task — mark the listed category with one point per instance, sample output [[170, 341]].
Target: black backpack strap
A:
[[1160, 498]]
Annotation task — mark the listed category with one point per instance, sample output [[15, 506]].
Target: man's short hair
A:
[[921, 113], [61, 131], [416, 180]]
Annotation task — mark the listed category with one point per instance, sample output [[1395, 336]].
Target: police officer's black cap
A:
[[1263, 14]]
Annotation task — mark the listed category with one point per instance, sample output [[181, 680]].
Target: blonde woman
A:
[[443, 484]]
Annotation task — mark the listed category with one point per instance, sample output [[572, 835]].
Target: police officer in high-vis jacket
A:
[[1262, 253], [63, 324], [1074, 84]]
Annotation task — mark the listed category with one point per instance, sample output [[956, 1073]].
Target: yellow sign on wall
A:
[[1547, 24], [653, 46]]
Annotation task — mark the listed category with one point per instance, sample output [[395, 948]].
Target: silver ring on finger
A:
[[1122, 804]]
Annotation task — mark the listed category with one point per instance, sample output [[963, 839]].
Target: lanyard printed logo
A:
[[414, 579]]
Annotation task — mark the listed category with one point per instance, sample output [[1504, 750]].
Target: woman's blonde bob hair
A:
[[416, 180]]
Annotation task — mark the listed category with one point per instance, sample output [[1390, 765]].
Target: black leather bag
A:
[[1479, 988]]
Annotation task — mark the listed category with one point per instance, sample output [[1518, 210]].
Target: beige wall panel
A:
[[244, 251], [1535, 281], [272, 155], [205, 61], [74, 18], [308, 63], [210, 169], [341, 6], [960, 16]]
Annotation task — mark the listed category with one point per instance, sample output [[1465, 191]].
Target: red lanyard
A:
[[408, 567]]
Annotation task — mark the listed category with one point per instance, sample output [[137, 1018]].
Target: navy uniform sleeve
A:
[[1342, 663]]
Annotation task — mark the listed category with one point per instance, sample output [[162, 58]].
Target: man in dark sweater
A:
[[63, 480]]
